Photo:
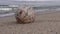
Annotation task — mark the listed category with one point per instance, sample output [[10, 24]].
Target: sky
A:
[[32, 0], [36, 0], [29, 0], [41, 3]]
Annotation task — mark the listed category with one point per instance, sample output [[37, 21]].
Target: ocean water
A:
[[37, 11], [39, 7]]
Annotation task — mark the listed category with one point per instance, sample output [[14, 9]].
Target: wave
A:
[[5, 15], [37, 11]]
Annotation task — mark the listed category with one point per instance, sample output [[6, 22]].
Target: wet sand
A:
[[44, 24]]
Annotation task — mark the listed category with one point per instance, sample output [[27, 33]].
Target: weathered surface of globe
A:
[[25, 15]]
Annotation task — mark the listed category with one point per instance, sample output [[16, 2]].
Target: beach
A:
[[48, 23]]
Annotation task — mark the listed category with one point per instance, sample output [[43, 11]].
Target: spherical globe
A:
[[25, 15]]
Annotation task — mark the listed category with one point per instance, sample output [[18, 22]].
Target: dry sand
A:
[[44, 24]]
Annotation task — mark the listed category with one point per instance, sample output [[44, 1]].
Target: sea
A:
[[40, 7]]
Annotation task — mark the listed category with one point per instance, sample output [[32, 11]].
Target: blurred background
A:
[[8, 7]]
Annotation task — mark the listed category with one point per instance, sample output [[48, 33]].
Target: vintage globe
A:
[[25, 15]]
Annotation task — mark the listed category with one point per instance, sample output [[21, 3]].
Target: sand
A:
[[44, 24]]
